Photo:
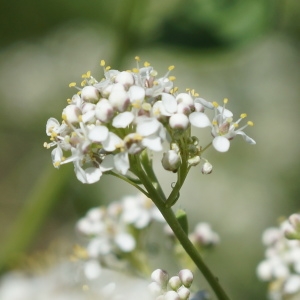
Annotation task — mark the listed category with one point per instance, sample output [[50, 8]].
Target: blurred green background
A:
[[245, 50]]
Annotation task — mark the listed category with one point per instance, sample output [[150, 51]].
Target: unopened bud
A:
[[90, 94], [160, 276], [175, 283], [171, 161], [179, 121], [206, 168], [186, 277]]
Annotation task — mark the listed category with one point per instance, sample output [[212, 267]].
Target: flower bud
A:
[[206, 168], [104, 110], [90, 94], [125, 78], [183, 293], [118, 97], [171, 161], [71, 113], [179, 121], [186, 277], [175, 283], [171, 295], [160, 276]]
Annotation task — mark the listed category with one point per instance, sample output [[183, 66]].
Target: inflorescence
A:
[[126, 112]]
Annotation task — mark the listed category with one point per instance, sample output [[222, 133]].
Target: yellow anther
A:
[[250, 123], [215, 104], [175, 89], [88, 74], [196, 95], [56, 164], [137, 58], [153, 73], [235, 125], [83, 82], [46, 145], [72, 84], [172, 78], [107, 68], [146, 106], [64, 117], [135, 70], [146, 64], [69, 100], [136, 104], [225, 101], [80, 118], [102, 63], [214, 122], [63, 158], [243, 116], [53, 134], [171, 68], [187, 89]]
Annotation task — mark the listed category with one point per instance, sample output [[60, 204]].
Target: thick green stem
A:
[[180, 234]]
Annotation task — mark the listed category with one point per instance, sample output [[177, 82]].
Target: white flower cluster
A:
[[112, 231], [281, 266], [175, 288], [126, 112]]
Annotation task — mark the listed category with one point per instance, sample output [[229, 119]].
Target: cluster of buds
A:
[[110, 120], [281, 266], [176, 287], [113, 231]]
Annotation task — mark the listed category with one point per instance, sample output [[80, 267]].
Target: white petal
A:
[[122, 162], [169, 103], [98, 134], [125, 242], [122, 120], [111, 143], [199, 119], [153, 143], [52, 124], [246, 137], [92, 175], [136, 93], [107, 163], [92, 269], [56, 154], [147, 126], [204, 103], [221, 144], [225, 112]]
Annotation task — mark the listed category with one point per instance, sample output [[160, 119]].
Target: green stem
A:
[[180, 234]]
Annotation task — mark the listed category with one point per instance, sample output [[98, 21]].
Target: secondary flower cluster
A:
[[109, 120], [113, 232], [281, 266], [175, 288]]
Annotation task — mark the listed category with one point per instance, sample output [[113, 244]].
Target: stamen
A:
[[215, 104], [225, 101], [172, 78], [250, 123], [243, 116], [171, 68], [72, 84], [102, 63], [146, 64]]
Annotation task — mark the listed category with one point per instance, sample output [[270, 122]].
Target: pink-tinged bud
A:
[[160, 276], [118, 97], [186, 277], [175, 283], [155, 289], [90, 94], [71, 113], [104, 111], [171, 161], [179, 121], [125, 78], [185, 99], [206, 168]]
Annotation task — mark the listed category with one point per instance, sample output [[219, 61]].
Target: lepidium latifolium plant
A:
[[113, 125]]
